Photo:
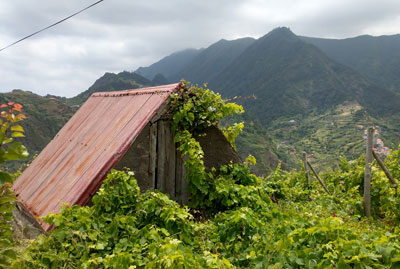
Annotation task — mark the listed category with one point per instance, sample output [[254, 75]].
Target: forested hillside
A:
[[45, 116], [111, 82], [377, 58]]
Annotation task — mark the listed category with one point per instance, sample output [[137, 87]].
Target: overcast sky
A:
[[119, 35]]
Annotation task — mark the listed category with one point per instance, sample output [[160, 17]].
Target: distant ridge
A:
[[289, 76], [169, 65], [113, 82], [212, 60], [376, 57]]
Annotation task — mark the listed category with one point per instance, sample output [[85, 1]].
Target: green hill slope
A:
[[45, 117], [113, 82], [377, 58]]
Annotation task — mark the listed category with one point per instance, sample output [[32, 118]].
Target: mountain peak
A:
[[282, 30], [222, 40], [280, 34]]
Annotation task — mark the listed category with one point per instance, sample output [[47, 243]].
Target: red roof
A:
[[76, 161]]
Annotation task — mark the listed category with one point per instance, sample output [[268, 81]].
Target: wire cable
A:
[[50, 26]]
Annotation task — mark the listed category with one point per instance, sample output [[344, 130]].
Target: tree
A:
[[9, 150]]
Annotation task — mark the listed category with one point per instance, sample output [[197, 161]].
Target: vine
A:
[[193, 110]]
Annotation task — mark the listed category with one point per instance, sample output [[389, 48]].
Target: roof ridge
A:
[[150, 90]]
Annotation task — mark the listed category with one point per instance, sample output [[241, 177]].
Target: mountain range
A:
[[282, 77], [375, 57], [280, 68], [299, 93]]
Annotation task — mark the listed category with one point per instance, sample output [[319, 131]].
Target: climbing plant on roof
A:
[[194, 109]]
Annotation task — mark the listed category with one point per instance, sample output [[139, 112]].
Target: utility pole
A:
[[306, 171]]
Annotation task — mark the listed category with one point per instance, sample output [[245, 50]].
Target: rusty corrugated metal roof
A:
[[76, 161]]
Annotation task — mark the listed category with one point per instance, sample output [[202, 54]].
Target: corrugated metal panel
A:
[[75, 162]]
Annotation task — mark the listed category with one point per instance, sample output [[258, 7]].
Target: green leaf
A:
[[17, 134], [16, 148], [2, 137], [11, 157], [7, 199], [100, 245], [10, 253], [4, 242], [342, 265], [4, 177], [4, 261], [4, 127], [17, 128], [191, 116], [6, 210], [7, 141]]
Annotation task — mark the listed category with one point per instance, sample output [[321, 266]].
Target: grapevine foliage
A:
[[194, 109], [249, 222]]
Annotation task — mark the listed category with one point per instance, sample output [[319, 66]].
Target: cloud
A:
[[119, 35], [340, 20]]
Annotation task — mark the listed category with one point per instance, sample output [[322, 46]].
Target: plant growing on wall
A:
[[194, 109]]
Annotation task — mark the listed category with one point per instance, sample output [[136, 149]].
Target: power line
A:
[[50, 26]]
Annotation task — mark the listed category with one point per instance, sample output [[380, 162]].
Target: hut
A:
[[112, 130]]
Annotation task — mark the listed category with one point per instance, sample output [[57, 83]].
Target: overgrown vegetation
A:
[[234, 218]]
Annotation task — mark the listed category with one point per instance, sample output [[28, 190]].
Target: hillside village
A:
[[379, 146]]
